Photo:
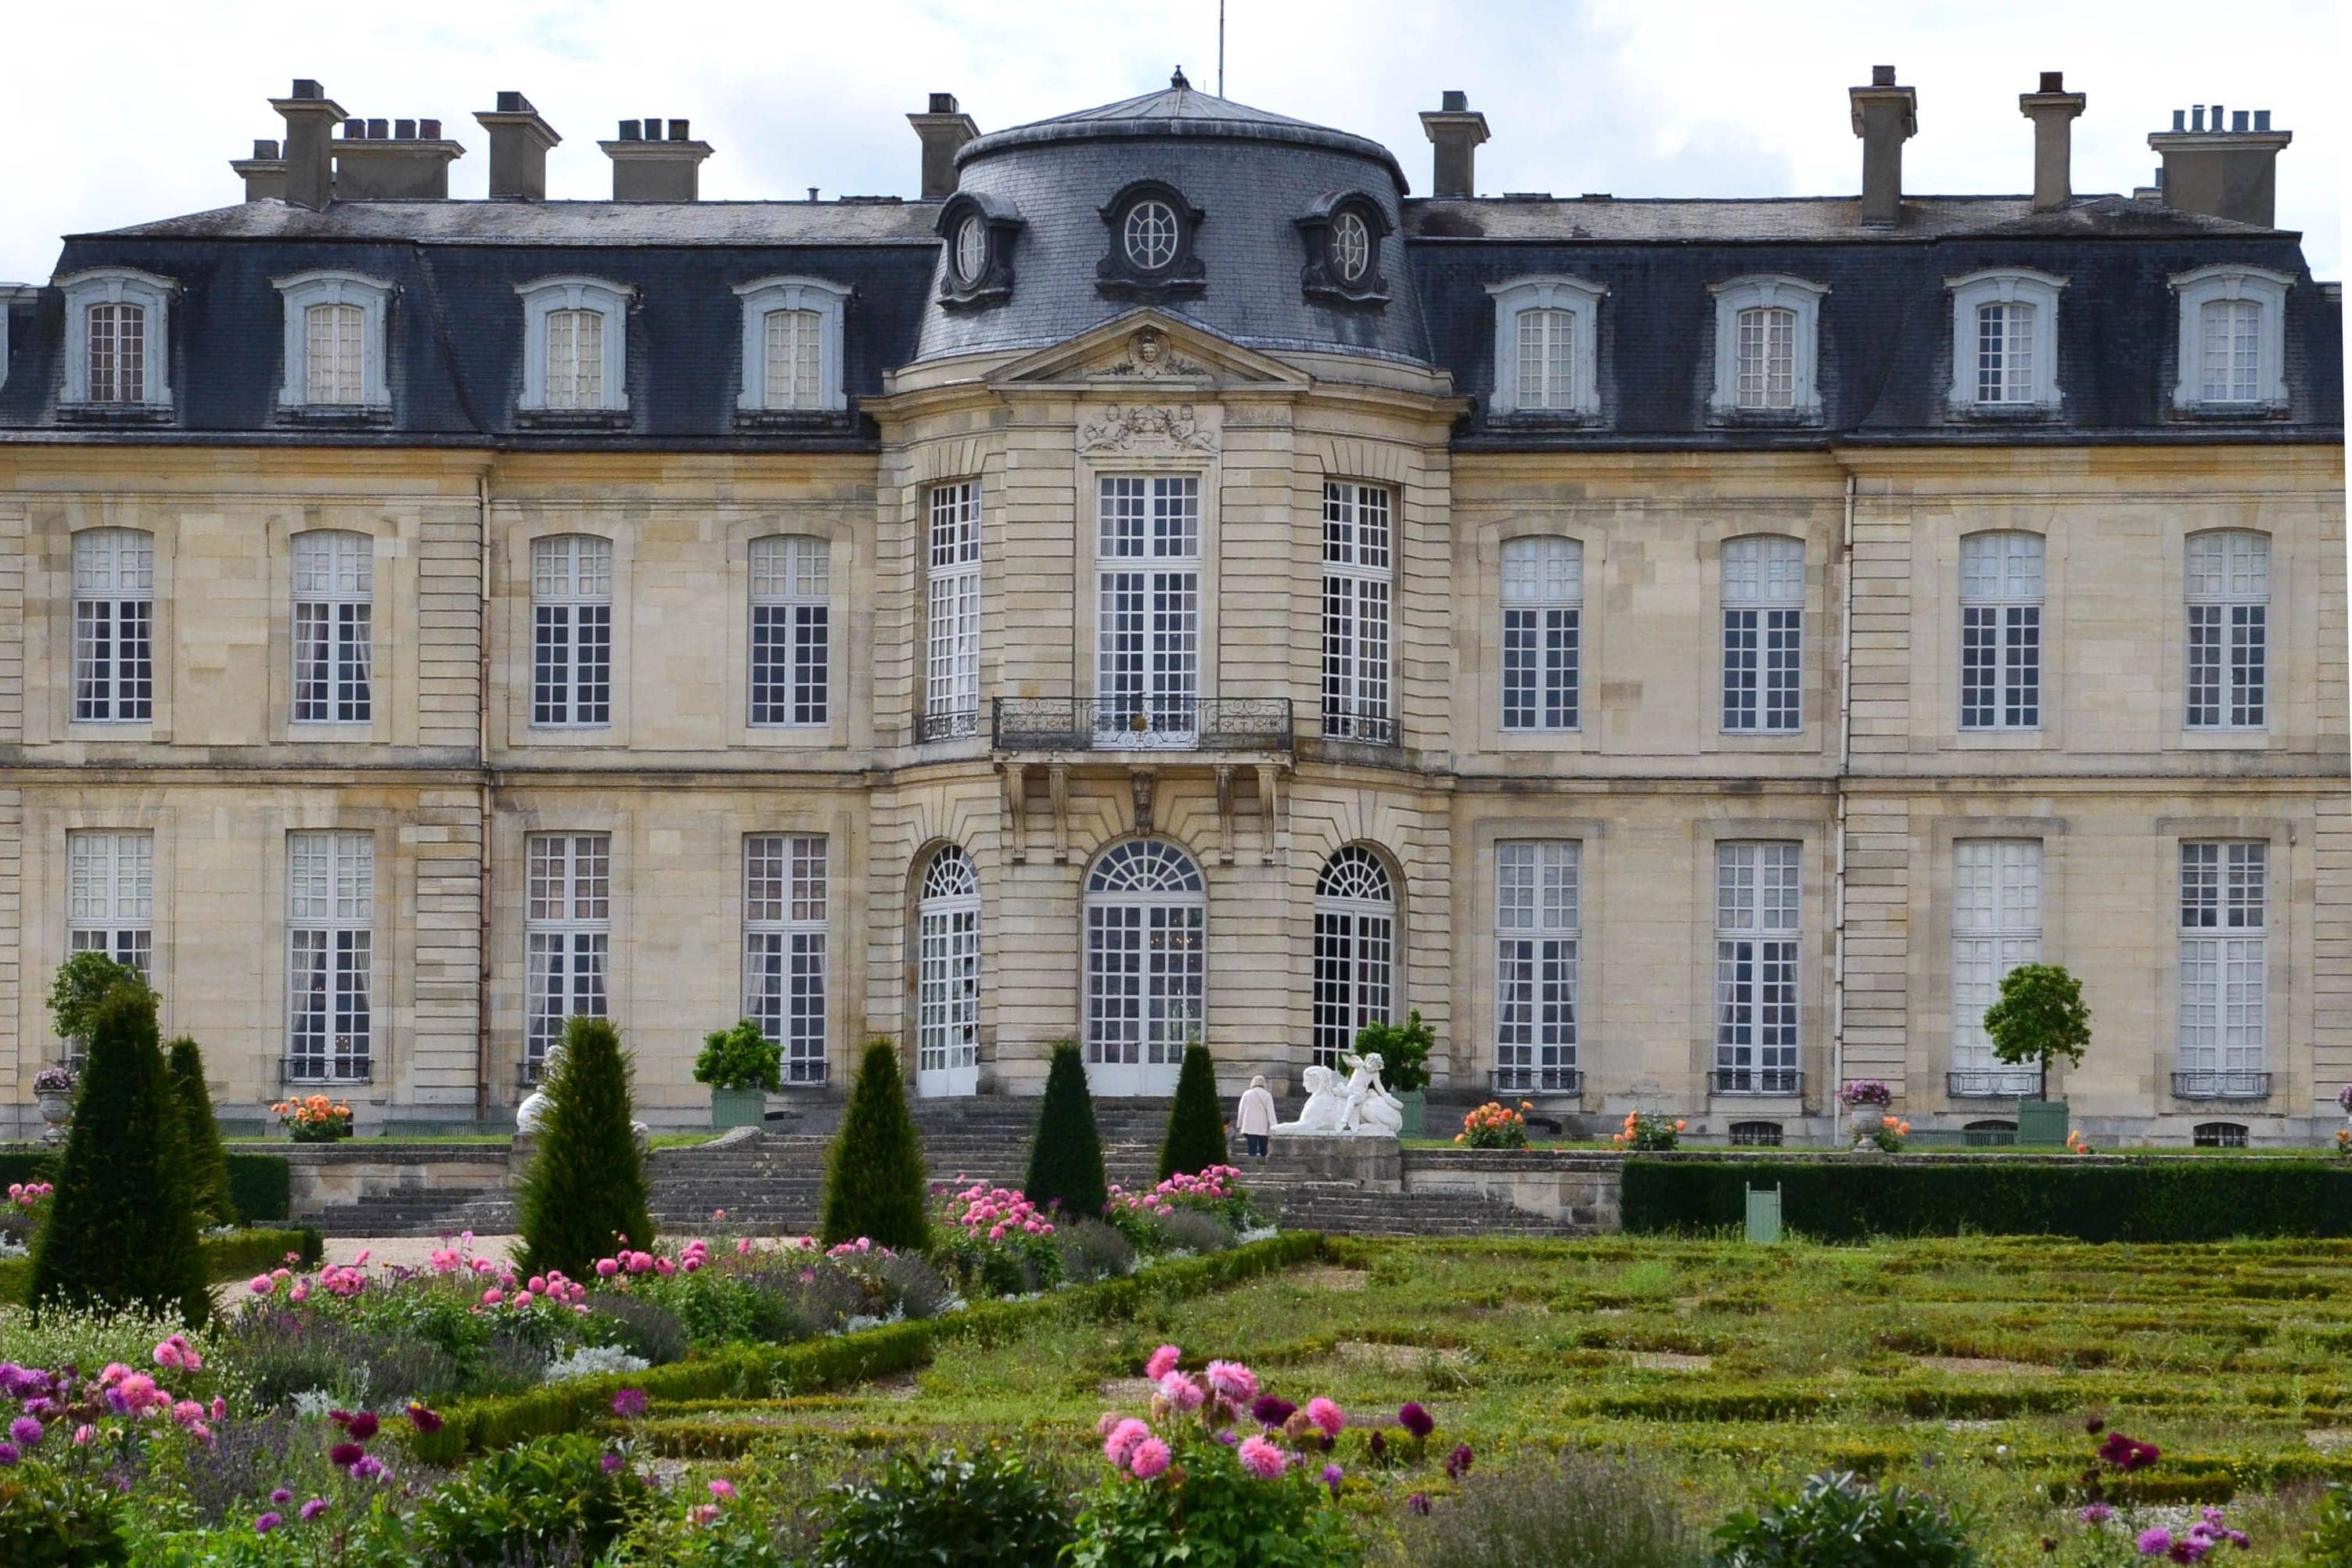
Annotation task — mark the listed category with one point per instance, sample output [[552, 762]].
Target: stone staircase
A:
[[1343, 1208]]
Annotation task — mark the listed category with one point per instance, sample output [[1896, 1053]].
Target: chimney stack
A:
[[518, 142], [941, 130], [264, 174], [2231, 173], [2053, 110], [310, 115], [1885, 116], [648, 166], [1455, 130], [401, 160]]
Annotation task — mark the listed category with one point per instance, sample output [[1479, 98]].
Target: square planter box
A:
[[737, 1108]]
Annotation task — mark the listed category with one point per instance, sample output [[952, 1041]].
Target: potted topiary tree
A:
[[1404, 1064], [741, 1065], [75, 992], [2040, 1017]]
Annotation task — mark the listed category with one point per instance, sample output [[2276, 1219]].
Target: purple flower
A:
[[612, 1464], [267, 1522], [1378, 1447], [368, 1469], [24, 1430], [2154, 1542], [280, 1496], [1332, 1475], [1271, 1410], [1457, 1463], [1416, 1420], [8, 1454], [362, 1427], [2097, 1513], [424, 1420], [1418, 1503], [343, 1456], [313, 1508], [629, 1403]]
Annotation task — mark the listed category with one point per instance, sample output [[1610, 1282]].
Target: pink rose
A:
[[262, 1285], [492, 1297], [606, 1267]]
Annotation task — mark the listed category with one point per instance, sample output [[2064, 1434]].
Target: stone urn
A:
[[57, 1114], [1866, 1120]]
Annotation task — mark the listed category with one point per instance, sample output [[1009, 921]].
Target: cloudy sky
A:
[[1632, 96]]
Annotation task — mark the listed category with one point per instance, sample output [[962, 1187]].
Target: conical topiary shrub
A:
[[1196, 1127], [121, 1232], [585, 1188], [874, 1177], [207, 1160], [1066, 1162]]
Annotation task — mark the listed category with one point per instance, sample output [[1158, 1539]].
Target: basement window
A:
[[2220, 1135], [1756, 1135]]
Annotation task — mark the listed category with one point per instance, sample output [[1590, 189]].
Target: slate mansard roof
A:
[[456, 324]]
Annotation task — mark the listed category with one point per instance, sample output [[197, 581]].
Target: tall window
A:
[[1996, 926], [118, 354], [1146, 950], [111, 896], [567, 935], [575, 359], [2228, 629], [1546, 369], [2224, 969], [791, 635], [1763, 634], [1535, 932], [114, 625], [330, 946], [784, 884], [2230, 331], [2000, 631], [1355, 951], [334, 609], [2005, 334], [947, 976], [571, 631], [795, 350], [334, 339], [1756, 927], [952, 690], [1768, 358], [1148, 635], [1358, 569], [1543, 606]]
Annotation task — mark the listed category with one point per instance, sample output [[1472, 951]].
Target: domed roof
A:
[[1180, 109]]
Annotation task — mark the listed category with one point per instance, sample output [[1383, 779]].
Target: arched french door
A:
[[1355, 951], [947, 976], [1146, 929]]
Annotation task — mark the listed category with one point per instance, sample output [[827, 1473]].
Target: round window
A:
[[1352, 246], [1150, 234], [971, 247]]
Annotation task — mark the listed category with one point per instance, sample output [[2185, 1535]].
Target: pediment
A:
[[1144, 350]]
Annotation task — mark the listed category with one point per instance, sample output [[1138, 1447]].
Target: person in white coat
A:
[[1254, 1118]]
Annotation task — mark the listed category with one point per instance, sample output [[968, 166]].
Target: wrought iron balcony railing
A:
[[948, 724], [1778, 1082], [1355, 721], [1538, 1079], [1993, 1083], [1125, 724], [2209, 1084]]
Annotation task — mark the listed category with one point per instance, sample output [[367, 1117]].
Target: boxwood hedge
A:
[[238, 1257], [260, 1185]]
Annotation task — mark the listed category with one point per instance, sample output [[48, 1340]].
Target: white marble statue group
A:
[[1356, 1106]]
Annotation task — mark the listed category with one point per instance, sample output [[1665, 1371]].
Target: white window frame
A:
[[332, 627], [951, 548], [2222, 1026], [338, 916], [1582, 300], [571, 583], [787, 883], [1357, 934], [1997, 922], [2232, 281], [1767, 291], [1145, 914], [1762, 592], [114, 609], [789, 685], [2005, 285], [947, 975], [373, 297], [545, 295], [1147, 609], [2000, 600], [1758, 967], [830, 302], [567, 937], [1359, 552], [1539, 887], [118, 286], [2226, 635], [110, 895], [1540, 630]]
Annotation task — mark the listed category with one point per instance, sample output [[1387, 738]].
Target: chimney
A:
[[518, 142], [1885, 116], [310, 115], [648, 166], [941, 130], [2231, 173], [405, 160], [1455, 130], [2053, 110], [264, 174]]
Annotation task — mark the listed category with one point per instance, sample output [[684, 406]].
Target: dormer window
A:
[[2005, 342], [575, 345], [971, 247], [1766, 332], [334, 342], [791, 345], [1149, 233], [117, 339], [2232, 340], [1153, 230], [978, 230], [1343, 230], [1547, 347]]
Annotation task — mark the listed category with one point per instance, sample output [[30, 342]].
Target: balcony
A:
[[1367, 726], [1538, 1079], [1993, 1083], [1119, 724], [2209, 1084], [954, 723], [1779, 1083]]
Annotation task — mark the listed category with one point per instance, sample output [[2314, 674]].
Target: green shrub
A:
[[50, 1518], [1219, 1517], [260, 1188], [121, 1232], [554, 1495], [1404, 1050], [1065, 1160], [2331, 1533], [1840, 1522], [740, 1057], [1196, 1124], [586, 1186], [988, 1509], [80, 983], [1583, 1509], [875, 1183], [208, 1189], [2038, 1016]]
